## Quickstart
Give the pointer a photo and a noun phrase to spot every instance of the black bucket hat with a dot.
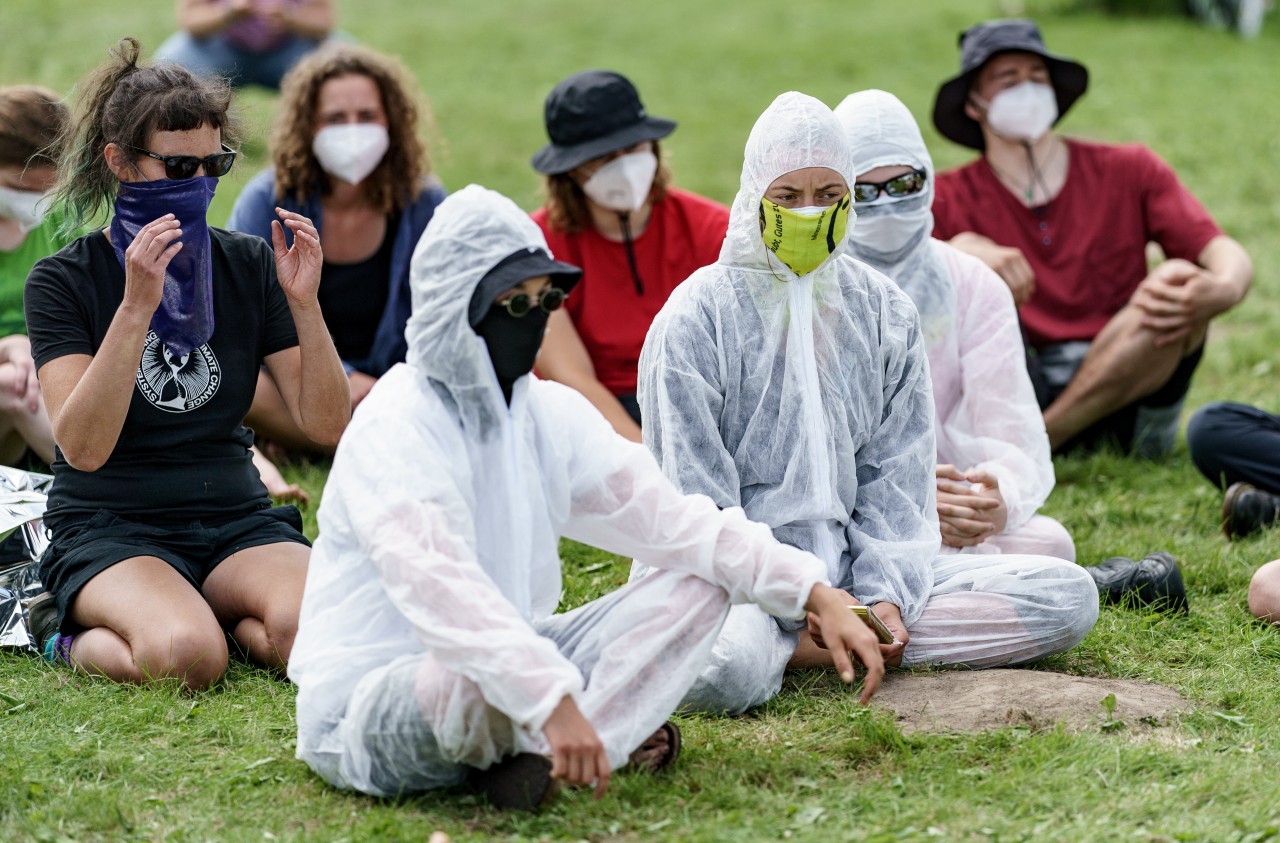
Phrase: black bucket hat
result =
(520, 265)
(591, 114)
(979, 43)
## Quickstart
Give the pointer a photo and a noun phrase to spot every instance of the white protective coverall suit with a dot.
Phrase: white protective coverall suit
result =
(986, 410)
(426, 640)
(806, 401)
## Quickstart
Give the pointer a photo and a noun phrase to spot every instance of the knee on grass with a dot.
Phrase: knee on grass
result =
(1264, 592)
(193, 653)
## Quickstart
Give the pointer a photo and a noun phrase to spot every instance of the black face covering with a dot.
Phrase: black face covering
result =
(513, 343)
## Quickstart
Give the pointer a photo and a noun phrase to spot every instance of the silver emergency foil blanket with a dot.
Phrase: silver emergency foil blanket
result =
(22, 502)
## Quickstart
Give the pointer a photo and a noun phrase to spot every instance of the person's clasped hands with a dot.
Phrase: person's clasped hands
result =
(971, 508)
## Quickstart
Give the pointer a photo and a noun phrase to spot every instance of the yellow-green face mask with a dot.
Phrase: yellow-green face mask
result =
(803, 240)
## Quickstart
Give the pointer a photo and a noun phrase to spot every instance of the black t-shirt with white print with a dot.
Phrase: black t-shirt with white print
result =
(183, 453)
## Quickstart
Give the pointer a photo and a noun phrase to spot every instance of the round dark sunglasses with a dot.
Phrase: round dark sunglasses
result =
(520, 304)
(897, 187)
(185, 166)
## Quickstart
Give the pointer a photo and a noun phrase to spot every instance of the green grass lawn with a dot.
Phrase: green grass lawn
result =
(86, 760)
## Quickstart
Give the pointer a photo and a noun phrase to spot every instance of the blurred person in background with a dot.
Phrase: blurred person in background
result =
(1112, 345)
(611, 209)
(31, 118)
(247, 41)
(346, 153)
(1237, 447)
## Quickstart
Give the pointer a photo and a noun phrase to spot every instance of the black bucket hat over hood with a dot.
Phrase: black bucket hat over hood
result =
(979, 43)
(591, 114)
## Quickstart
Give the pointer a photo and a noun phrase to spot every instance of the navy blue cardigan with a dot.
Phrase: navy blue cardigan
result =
(255, 209)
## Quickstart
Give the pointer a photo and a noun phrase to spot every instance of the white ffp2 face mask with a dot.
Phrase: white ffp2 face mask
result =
(624, 183)
(351, 152)
(25, 207)
(886, 232)
(1024, 112)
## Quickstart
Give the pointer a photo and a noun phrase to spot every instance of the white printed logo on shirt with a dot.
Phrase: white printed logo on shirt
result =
(177, 384)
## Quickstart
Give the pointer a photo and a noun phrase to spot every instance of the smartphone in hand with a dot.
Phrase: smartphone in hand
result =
(872, 620)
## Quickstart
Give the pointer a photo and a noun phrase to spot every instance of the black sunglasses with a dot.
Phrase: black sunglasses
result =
(185, 166)
(520, 304)
(897, 187)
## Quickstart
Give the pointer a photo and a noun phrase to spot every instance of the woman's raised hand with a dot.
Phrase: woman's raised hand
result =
(298, 268)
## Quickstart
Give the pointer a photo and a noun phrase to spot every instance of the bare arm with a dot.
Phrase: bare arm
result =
(88, 396)
(309, 375)
(1229, 264)
(1178, 298)
(202, 18)
(16, 351)
(564, 358)
(310, 19)
(1008, 262)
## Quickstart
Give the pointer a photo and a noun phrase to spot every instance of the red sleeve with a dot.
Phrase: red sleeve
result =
(1174, 217)
(949, 218)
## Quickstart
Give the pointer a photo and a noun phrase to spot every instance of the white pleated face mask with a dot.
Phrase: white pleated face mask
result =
(887, 230)
(351, 152)
(1024, 112)
(25, 207)
(624, 183)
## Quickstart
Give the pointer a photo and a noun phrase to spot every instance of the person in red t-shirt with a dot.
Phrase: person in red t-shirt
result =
(1111, 344)
(611, 210)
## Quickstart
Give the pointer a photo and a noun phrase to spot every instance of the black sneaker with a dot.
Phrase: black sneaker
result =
(520, 783)
(1247, 509)
(42, 620)
(1154, 581)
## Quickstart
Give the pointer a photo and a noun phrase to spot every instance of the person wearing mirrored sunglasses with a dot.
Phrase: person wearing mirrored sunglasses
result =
(791, 379)
(1112, 344)
(346, 153)
(31, 118)
(994, 470)
(611, 209)
(148, 336)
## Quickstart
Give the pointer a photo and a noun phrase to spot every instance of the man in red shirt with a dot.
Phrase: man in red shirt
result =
(611, 211)
(1111, 343)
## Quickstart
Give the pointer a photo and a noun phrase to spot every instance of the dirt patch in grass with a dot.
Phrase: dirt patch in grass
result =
(979, 700)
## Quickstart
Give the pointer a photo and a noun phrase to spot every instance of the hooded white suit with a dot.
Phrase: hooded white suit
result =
(427, 642)
(806, 401)
(986, 410)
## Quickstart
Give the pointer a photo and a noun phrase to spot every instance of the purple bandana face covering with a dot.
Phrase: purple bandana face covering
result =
(184, 320)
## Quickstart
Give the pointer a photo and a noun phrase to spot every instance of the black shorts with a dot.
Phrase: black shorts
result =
(79, 552)
(1122, 428)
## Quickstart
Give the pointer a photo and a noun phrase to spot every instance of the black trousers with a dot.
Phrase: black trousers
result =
(1232, 443)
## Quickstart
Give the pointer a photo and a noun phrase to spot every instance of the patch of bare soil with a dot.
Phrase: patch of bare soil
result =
(979, 700)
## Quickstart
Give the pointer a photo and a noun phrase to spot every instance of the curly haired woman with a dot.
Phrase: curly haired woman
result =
(347, 155)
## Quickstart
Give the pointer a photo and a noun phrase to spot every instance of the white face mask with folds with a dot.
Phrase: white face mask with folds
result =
(25, 207)
(1024, 112)
(352, 151)
(887, 227)
(624, 183)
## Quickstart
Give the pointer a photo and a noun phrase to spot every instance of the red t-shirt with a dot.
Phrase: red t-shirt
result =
(684, 233)
(1088, 246)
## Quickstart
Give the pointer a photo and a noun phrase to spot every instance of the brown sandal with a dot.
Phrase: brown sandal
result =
(664, 761)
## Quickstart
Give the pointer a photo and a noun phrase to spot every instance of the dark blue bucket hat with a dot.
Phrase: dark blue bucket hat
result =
(591, 114)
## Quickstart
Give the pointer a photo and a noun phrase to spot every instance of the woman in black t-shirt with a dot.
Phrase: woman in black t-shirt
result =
(148, 337)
